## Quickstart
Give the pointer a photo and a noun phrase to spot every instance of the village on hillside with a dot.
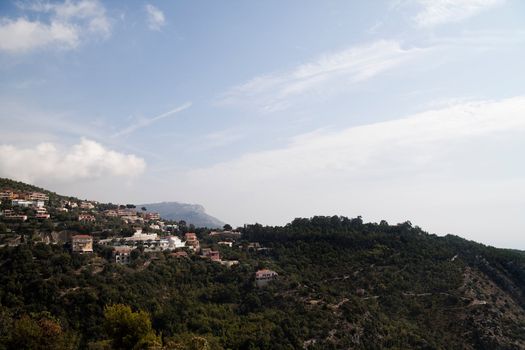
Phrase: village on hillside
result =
(119, 233)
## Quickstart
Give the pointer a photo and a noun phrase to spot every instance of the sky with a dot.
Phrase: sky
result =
(263, 111)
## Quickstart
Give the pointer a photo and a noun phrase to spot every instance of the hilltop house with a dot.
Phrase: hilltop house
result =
(11, 215)
(86, 218)
(192, 241)
(129, 215)
(171, 227)
(126, 212)
(71, 204)
(38, 203)
(111, 213)
(41, 213)
(7, 195)
(264, 276)
(37, 196)
(87, 205)
(154, 227)
(152, 216)
(122, 254)
(82, 244)
(139, 236)
(175, 242)
(21, 203)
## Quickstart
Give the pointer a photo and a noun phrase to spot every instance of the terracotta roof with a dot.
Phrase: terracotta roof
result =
(81, 236)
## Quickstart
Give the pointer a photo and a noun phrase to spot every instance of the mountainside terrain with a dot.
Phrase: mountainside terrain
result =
(191, 213)
(341, 284)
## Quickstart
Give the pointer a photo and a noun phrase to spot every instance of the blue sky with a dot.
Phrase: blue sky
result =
(265, 111)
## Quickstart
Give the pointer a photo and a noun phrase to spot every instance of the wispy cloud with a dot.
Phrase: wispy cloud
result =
(408, 168)
(328, 74)
(86, 160)
(69, 24)
(17, 113)
(435, 12)
(354, 148)
(142, 123)
(156, 18)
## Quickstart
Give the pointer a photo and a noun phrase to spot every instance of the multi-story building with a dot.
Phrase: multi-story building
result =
(38, 203)
(41, 213)
(7, 195)
(21, 203)
(152, 216)
(192, 241)
(264, 276)
(126, 212)
(122, 254)
(11, 215)
(37, 196)
(213, 255)
(175, 242)
(139, 236)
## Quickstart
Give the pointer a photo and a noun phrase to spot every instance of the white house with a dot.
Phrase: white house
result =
(139, 236)
(38, 203)
(21, 203)
(175, 242)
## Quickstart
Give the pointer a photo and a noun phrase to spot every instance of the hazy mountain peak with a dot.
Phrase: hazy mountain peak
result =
(191, 213)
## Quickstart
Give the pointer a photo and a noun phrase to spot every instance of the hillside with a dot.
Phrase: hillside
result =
(191, 213)
(341, 284)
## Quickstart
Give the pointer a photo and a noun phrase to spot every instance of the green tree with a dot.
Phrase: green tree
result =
(41, 332)
(128, 329)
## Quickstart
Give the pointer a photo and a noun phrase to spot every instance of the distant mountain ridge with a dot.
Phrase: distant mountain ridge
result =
(191, 213)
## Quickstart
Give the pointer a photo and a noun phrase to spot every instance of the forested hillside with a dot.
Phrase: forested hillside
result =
(341, 284)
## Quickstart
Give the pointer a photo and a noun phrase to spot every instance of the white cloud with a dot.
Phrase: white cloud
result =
(328, 74)
(156, 18)
(90, 11)
(69, 24)
(435, 12)
(459, 161)
(142, 123)
(351, 150)
(48, 163)
(22, 35)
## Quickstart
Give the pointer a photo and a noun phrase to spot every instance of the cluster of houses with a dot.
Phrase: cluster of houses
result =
(151, 242)
(131, 215)
(26, 196)
(122, 247)
(33, 200)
